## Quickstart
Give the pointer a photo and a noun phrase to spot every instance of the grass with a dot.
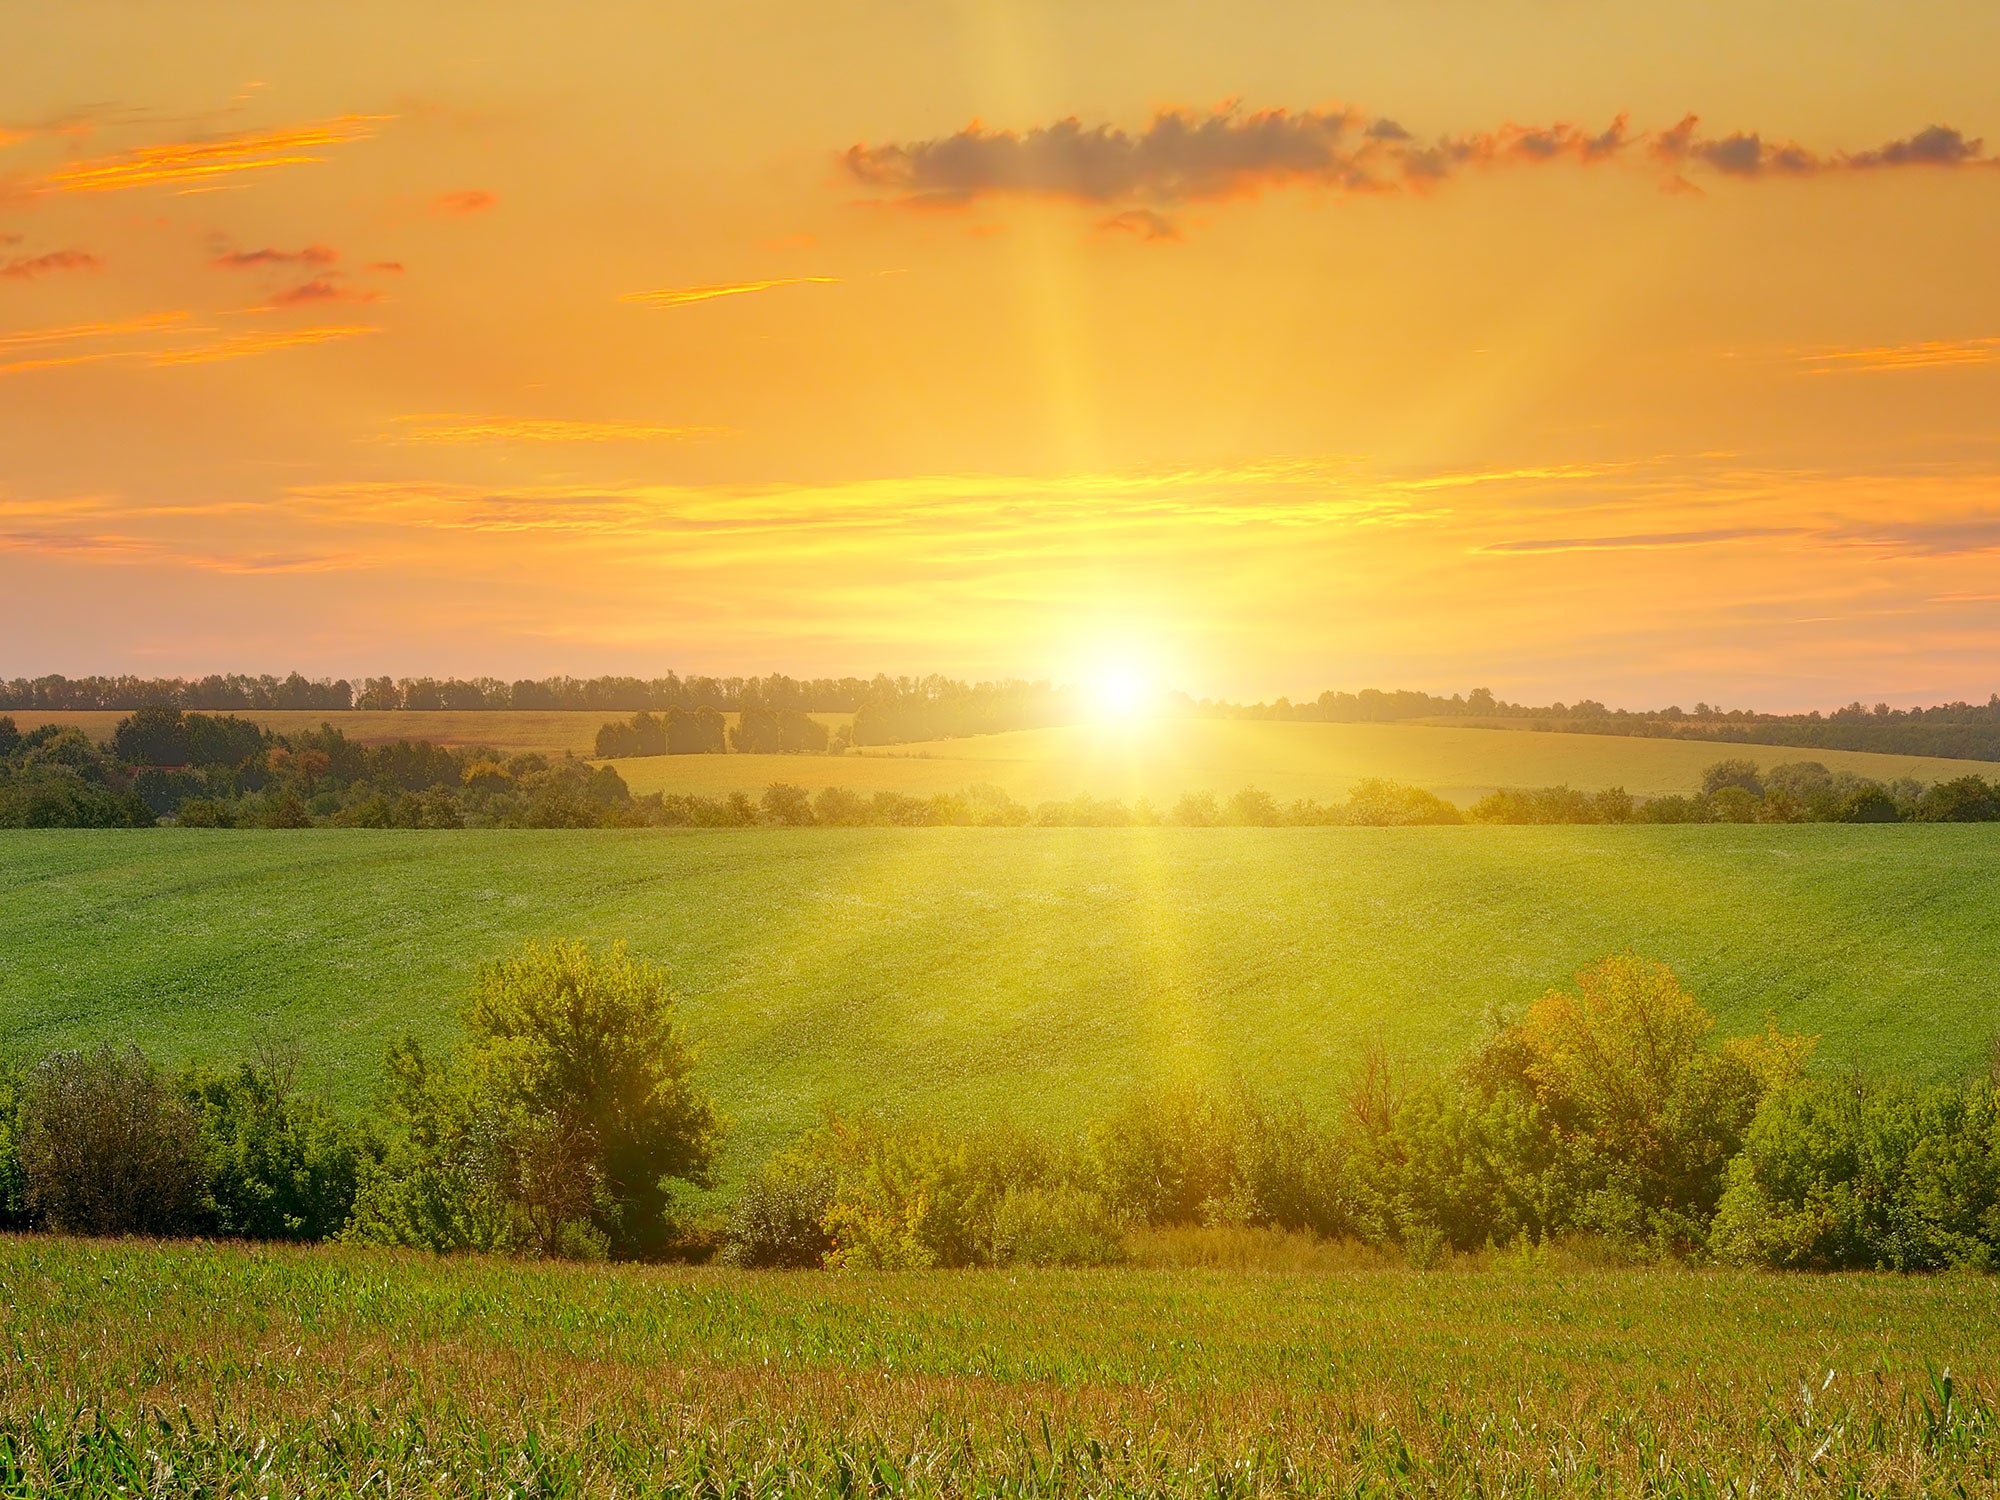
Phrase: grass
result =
(1160, 761)
(1037, 972)
(222, 1370)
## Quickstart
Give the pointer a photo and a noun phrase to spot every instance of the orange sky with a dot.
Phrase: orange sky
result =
(1276, 346)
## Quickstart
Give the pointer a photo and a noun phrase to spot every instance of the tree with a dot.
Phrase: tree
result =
(107, 1146)
(563, 1123)
(152, 736)
(1740, 773)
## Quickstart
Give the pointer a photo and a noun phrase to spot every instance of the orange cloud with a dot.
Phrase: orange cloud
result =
(326, 288)
(26, 268)
(242, 345)
(1181, 156)
(34, 338)
(453, 428)
(1936, 354)
(249, 260)
(681, 296)
(465, 201)
(195, 162)
(1143, 222)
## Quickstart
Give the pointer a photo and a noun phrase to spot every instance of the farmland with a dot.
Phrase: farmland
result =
(1163, 759)
(1031, 971)
(1159, 760)
(223, 1370)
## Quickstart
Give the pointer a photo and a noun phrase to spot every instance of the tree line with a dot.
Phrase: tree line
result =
(567, 1122)
(906, 709)
(219, 771)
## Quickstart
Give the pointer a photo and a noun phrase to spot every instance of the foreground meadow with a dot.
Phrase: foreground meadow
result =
(134, 1367)
(974, 972)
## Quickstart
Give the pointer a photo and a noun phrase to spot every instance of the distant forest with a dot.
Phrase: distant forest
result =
(895, 710)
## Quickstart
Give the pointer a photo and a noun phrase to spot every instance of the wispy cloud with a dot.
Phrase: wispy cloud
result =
(1183, 156)
(1145, 223)
(194, 163)
(1643, 541)
(1935, 354)
(681, 296)
(41, 337)
(323, 288)
(26, 268)
(243, 345)
(252, 260)
(461, 428)
(464, 201)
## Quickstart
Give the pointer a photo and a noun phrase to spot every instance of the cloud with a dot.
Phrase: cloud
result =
(458, 428)
(680, 296)
(242, 345)
(1936, 354)
(465, 201)
(181, 163)
(26, 268)
(327, 288)
(250, 260)
(38, 338)
(1643, 541)
(235, 346)
(1960, 536)
(1745, 154)
(1182, 156)
(1146, 223)
(388, 267)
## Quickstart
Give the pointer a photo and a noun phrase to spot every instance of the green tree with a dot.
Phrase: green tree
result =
(563, 1123)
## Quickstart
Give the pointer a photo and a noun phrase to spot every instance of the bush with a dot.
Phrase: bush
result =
(1848, 1174)
(1054, 1226)
(1389, 804)
(13, 1199)
(278, 1165)
(107, 1146)
(780, 1218)
(561, 1127)
(1741, 774)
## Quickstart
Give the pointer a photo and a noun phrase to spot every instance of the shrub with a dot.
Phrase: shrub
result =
(1168, 1156)
(560, 1127)
(1054, 1226)
(1870, 803)
(1196, 810)
(1845, 1173)
(107, 1146)
(780, 1218)
(13, 1190)
(278, 1165)
(1389, 804)
(1741, 774)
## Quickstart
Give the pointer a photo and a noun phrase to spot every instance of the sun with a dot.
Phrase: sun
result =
(1122, 692)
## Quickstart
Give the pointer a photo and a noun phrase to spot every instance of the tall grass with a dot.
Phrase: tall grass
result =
(132, 1367)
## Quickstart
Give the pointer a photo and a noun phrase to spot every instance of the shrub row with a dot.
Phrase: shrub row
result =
(567, 1124)
(1610, 1111)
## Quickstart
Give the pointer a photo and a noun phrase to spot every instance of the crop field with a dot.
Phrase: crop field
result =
(1163, 759)
(1035, 971)
(550, 732)
(221, 1370)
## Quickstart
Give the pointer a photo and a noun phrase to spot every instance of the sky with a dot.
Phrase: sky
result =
(1564, 347)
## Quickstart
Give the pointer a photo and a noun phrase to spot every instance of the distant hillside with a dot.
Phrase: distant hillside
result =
(900, 710)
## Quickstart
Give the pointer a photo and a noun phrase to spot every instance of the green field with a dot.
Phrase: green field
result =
(1036, 971)
(211, 1369)
(1163, 759)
